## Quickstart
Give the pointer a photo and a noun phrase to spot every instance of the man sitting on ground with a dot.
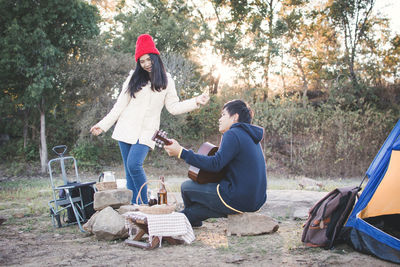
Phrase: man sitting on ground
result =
(240, 156)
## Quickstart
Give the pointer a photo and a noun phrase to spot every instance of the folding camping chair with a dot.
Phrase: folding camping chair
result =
(71, 197)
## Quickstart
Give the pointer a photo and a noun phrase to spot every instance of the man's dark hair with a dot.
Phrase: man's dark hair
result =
(141, 77)
(241, 108)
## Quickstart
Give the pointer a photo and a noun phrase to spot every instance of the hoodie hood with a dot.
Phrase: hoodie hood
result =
(256, 133)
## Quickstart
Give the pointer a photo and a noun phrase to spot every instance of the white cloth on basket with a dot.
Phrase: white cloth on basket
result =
(174, 224)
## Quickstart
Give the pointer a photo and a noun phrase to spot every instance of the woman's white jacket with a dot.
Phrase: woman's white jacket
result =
(138, 118)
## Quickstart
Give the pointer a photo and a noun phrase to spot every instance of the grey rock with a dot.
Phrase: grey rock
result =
(112, 198)
(290, 204)
(89, 224)
(301, 213)
(251, 224)
(109, 225)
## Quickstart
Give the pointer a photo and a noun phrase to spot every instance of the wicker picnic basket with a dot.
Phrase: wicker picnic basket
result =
(155, 209)
(102, 186)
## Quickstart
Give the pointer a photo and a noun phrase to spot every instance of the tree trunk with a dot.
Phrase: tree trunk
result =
(266, 80)
(269, 51)
(43, 143)
(25, 132)
(214, 83)
(353, 75)
(283, 80)
(304, 79)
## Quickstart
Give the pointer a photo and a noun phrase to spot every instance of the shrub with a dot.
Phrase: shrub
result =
(193, 126)
(94, 153)
(324, 141)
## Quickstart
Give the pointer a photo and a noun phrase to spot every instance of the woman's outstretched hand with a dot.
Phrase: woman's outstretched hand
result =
(96, 130)
(202, 99)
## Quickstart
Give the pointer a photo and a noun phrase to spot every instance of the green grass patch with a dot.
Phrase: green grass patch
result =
(27, 197)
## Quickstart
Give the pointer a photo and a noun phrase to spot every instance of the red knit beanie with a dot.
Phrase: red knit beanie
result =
(145, 45)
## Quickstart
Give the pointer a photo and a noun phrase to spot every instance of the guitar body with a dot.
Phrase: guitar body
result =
(197, 175)
(202, 176)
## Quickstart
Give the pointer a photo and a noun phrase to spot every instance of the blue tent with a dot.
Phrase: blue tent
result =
(373, 226)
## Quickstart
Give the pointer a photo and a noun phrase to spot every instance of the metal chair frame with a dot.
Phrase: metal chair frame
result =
(59, 205)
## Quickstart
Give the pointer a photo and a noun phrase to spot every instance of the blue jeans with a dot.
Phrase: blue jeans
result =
(202, 202)
(133, 157)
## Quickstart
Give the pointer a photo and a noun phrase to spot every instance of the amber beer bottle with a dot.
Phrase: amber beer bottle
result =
(162, 193)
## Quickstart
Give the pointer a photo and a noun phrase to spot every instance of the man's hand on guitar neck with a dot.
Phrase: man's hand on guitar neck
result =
(175, 149)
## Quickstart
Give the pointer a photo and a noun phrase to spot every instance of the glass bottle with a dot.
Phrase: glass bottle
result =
(150, 196)
(162, 193)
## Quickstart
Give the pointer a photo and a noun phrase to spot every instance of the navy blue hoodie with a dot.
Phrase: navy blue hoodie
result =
(240, 154)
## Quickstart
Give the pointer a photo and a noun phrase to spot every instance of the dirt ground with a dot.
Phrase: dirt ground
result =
(29, 239)
(32, 241)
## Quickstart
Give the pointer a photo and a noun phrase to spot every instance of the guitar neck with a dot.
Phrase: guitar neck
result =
(158, 137)
(166, 141)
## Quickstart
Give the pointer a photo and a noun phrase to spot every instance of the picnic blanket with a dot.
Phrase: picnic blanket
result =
(174, 224)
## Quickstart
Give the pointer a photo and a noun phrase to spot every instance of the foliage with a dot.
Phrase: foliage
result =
(392, 59)
(51, 66)
(354, 19)
(86, 151)
(36, 37)
(348, 96)
(194, 126)
(95, 155)
(313, 47)
(171, 24)
(247, 35)
(323, 141)
(185, 73)
(91, 83)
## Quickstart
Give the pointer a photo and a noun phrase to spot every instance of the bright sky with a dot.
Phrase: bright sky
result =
(390, 8)
(387, 8)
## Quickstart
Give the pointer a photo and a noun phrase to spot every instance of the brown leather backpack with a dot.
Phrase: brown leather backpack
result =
(327, 217)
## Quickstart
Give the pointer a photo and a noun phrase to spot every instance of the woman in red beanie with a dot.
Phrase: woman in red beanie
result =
(138, 109)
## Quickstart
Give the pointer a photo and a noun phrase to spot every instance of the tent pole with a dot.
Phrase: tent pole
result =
(362, 181)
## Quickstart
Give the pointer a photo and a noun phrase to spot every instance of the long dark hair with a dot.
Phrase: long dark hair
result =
(158, 77)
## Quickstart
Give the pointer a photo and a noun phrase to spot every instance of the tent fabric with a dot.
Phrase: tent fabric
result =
(380, 161)
(363, 235)
(386, 199)
(367, 244)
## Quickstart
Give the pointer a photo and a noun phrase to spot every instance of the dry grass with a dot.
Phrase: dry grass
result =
(28, 237)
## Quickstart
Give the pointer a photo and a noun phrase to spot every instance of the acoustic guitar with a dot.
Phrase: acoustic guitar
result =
(196, 174)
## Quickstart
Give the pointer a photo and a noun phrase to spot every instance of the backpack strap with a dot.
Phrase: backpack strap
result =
(349, 206)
